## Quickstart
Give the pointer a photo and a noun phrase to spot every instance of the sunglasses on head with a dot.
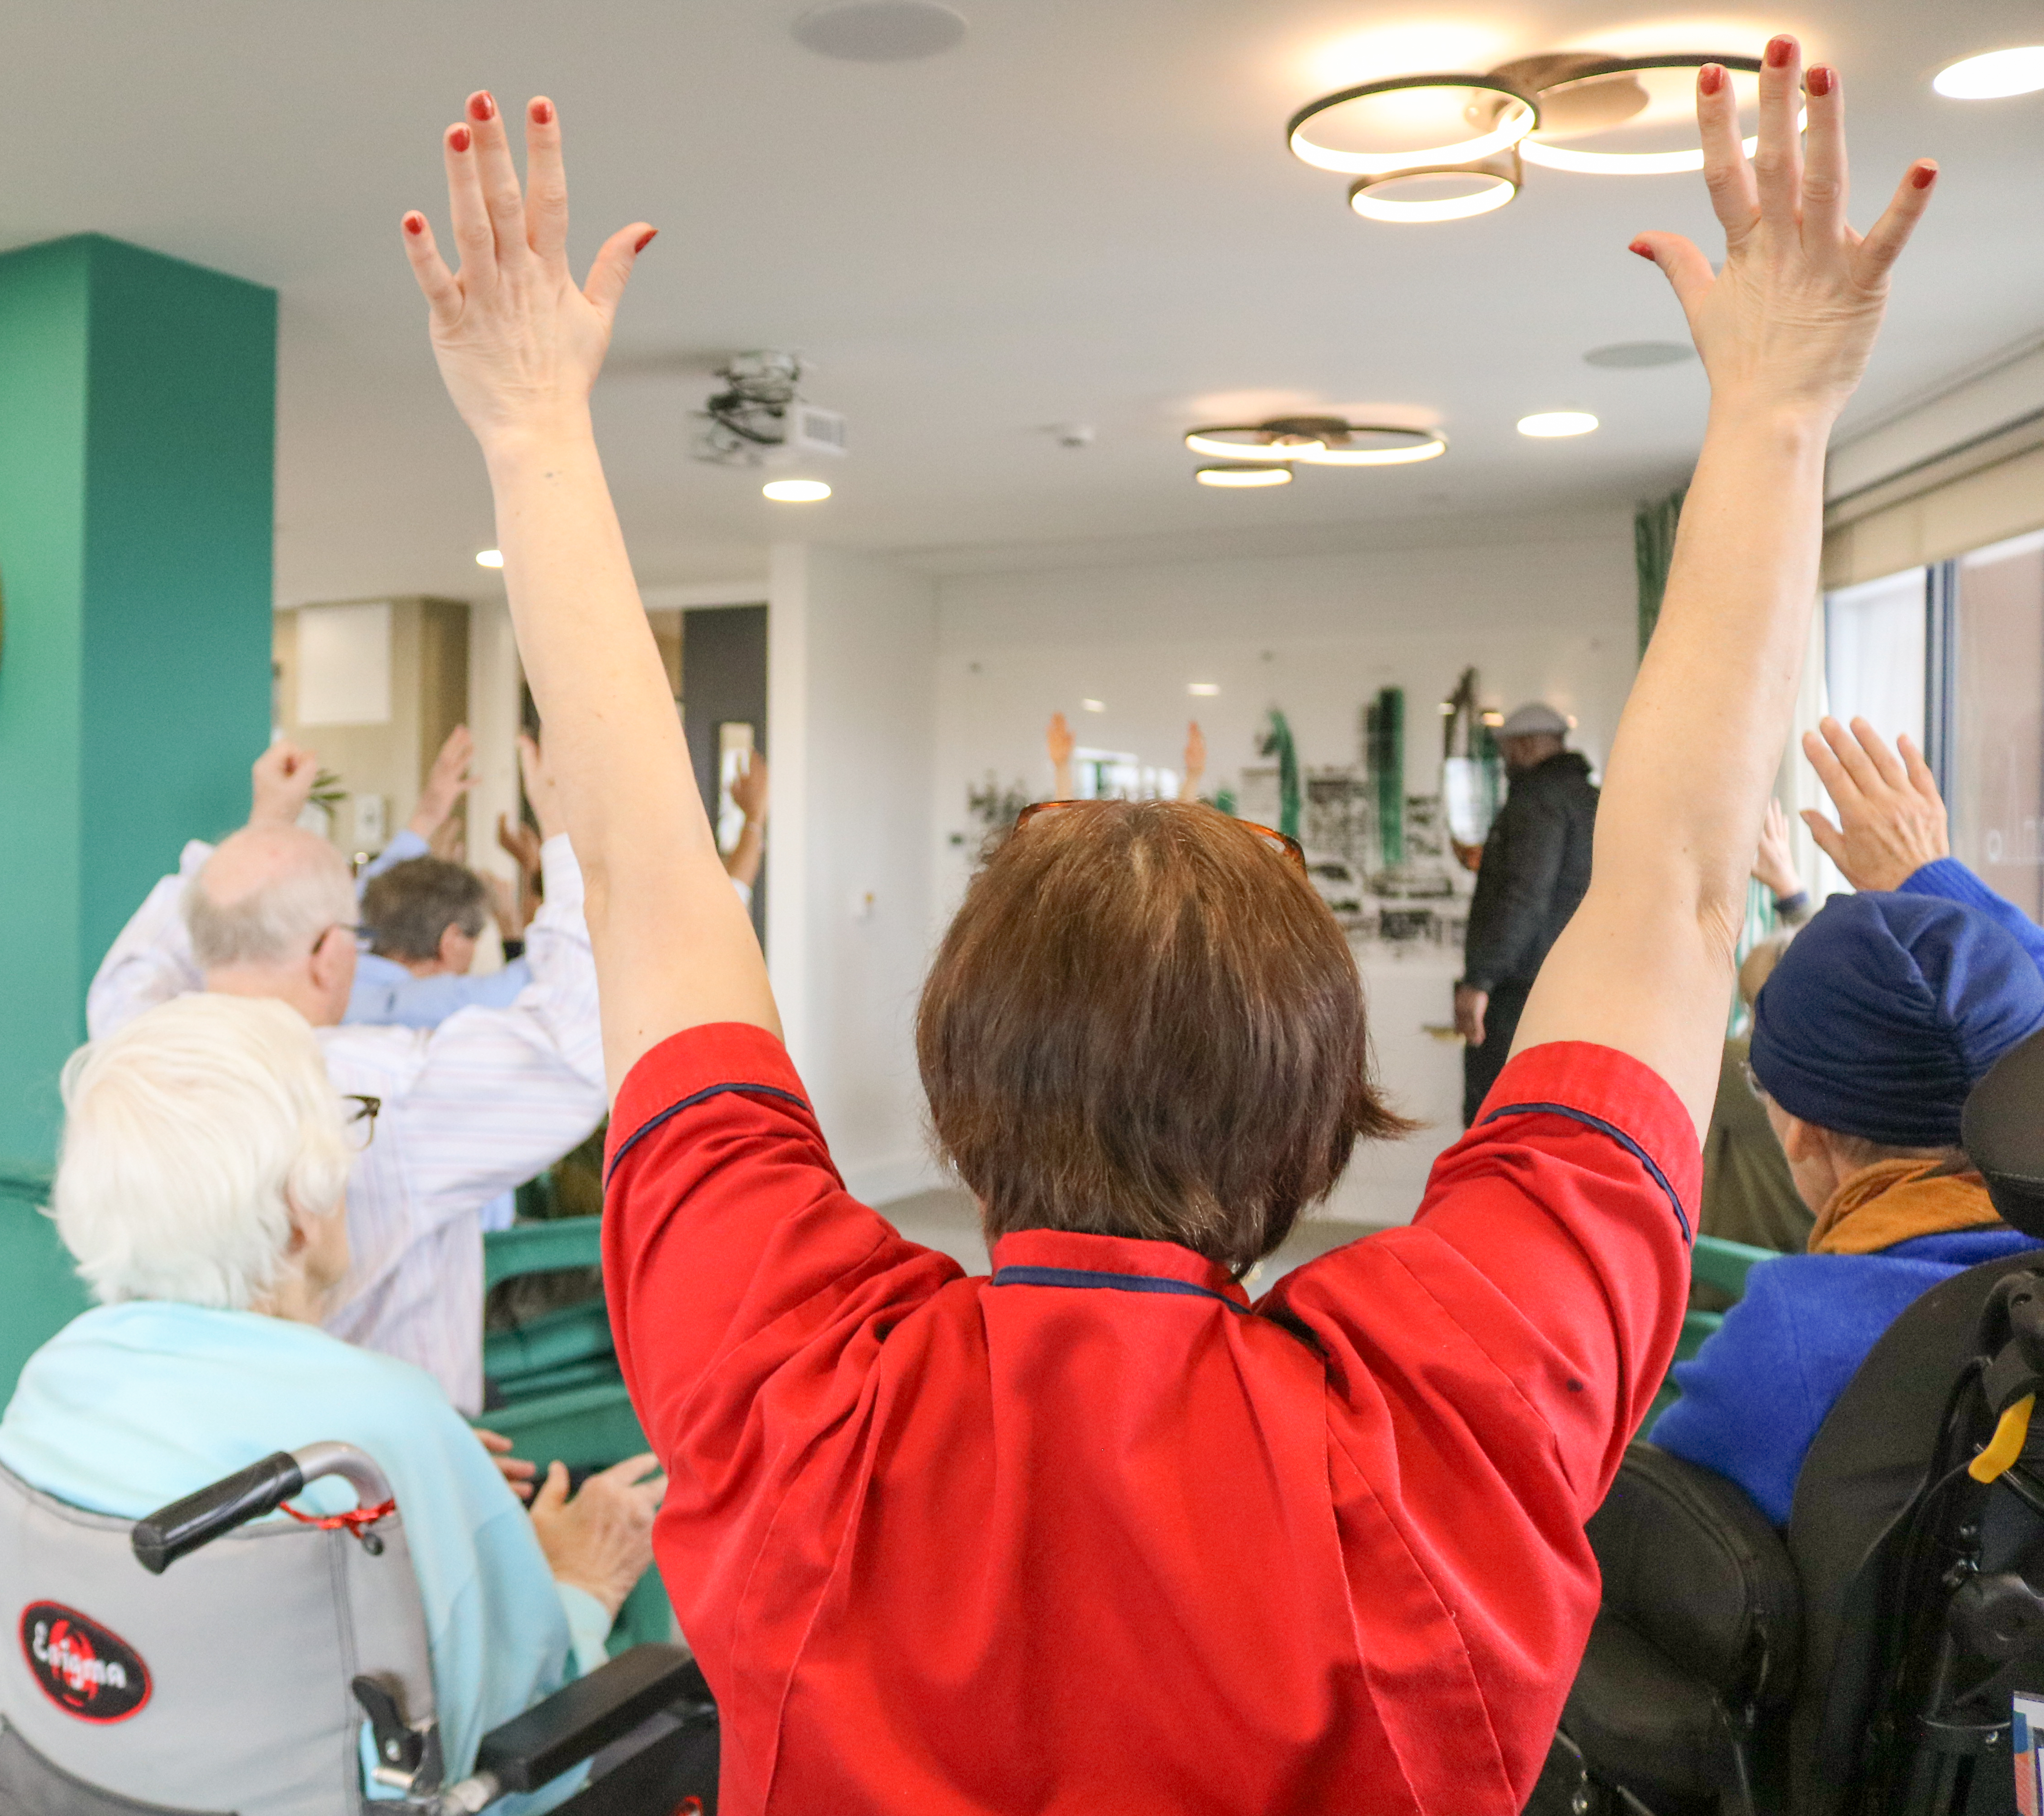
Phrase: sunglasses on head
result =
(1286, 847)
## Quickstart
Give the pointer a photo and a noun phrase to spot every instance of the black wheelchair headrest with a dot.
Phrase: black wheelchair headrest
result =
(2004, 1134)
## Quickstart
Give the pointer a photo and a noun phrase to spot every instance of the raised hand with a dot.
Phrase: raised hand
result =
(519, 342)
(748, 787)
(1774, 864)
(446, 783)
(1891, 817)
(280, 783)
(1059, 741)
(1791, 317)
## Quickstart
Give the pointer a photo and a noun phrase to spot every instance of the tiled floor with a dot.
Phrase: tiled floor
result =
(948, 1219)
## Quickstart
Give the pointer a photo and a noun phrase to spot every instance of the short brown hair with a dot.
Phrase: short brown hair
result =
(410, 907)
(1145, 1022)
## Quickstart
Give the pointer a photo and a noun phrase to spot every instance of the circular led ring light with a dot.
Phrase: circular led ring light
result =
(1266, 474)
(1520, 115)
(1260, 441)
(1334, 434)
(1502, 174)
(1636, 163)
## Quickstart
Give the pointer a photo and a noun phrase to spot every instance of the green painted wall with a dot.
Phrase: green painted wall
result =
(138, 429)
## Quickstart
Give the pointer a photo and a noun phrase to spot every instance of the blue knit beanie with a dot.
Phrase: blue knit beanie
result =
(1885, 1011)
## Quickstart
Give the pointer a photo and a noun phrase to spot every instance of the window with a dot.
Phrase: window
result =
(1874, 654)
(1992, 769)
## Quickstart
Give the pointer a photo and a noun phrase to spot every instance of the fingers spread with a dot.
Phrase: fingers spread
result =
(1824, 158)
(1837, 784)
(1883, 759)
(1777, 165)
(546, 183)
(1883, 246)
(609, 275)
(1921, 777)
(1829, 840)
(436, 282)
(499, 176)
(553, 1491)
(1727, 173)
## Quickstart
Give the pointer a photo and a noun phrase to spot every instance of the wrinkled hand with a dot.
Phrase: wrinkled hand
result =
(1891, 817)
(446, 782)
(519, 343)
(1774, 864)
(1470, 1007)
(748, 788)
(541, 792)
(1790, 319)
(281, 782)
(602, 1540)
(1058, 740)
(515, 1470)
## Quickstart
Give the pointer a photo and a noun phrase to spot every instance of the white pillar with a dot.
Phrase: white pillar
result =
(495, 687)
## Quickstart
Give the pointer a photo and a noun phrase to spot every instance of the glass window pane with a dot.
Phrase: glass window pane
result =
(1874, 642)
(1997, 789)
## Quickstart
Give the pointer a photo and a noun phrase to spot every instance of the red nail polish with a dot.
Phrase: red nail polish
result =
(1779, 51)
(415, 224)
(1926, 175)
(543, 113)
(482, 104)
(646, 239)
(1710, 77)
(1819, 80)
(1641, 247)
(458, 138)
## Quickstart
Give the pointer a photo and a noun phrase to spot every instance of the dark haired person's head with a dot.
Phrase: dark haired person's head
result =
(425, 911)
(1876, 1024)
(1144, 1021)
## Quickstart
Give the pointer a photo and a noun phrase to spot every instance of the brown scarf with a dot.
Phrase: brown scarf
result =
(1893, 1200)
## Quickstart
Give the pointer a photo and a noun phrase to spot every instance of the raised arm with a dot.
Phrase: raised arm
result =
(1784, 330)
(519, 344)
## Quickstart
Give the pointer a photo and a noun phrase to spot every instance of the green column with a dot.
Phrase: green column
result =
(137, 428)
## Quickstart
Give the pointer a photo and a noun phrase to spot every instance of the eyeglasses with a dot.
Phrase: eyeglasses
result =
(1286, 847)
(360, 1124)
(354, 929)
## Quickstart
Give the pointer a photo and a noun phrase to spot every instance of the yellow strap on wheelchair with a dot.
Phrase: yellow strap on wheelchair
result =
(2006, 1445)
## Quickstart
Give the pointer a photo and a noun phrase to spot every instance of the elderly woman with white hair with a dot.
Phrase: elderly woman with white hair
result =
(201, 1190)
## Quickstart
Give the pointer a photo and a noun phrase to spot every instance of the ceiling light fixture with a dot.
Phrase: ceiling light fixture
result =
(1585, 90)
(1632, 355)
(1550, 425)
(1094, 705)
(1229, 478)
(1993, 75)
(1414, 105)
(1438, 192)
(1319, 441)
(1203, 687)
(795, 491)
(489, 557)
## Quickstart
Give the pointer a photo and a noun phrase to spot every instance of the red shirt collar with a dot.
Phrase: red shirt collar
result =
(1115, 1254)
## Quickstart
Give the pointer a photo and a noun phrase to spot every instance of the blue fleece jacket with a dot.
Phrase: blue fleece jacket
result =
(1755, 1394)
(1950, 880)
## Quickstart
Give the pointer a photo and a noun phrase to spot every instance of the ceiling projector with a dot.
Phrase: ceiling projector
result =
(761, 419)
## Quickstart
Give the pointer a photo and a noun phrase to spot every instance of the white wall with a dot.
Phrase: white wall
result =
(852, 695)
(1544, 609)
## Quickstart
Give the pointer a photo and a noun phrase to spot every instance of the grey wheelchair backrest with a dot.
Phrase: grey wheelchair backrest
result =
(221, 1685)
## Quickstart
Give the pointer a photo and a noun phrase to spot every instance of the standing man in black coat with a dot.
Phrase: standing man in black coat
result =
(1535, 866)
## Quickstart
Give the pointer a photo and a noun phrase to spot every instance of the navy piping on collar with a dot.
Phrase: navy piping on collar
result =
(652, 1122)
(1616, 1133)
(1014, 1275)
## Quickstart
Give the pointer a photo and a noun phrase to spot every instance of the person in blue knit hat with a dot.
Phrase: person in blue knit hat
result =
(1880, 1018)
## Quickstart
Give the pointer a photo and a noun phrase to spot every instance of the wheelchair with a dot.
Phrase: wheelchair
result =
(241, 1680)
(1884, 1656)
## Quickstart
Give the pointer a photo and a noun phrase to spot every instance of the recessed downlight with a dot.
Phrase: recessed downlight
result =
(1093, 705)
(1550, 425)
(1241, 478)
(1632, 355)
(1993, 75)
(1203, 688)
(879, 31)
(795, 491)
(489, 557)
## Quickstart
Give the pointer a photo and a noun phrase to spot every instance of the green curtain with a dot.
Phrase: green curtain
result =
(1653, 550)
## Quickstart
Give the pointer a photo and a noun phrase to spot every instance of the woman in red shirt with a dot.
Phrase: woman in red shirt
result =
(1097, 1533)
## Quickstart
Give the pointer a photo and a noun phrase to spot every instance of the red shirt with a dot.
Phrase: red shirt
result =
(1097, 1535)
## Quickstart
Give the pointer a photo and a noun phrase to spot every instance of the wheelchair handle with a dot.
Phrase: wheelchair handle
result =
(177, 1531)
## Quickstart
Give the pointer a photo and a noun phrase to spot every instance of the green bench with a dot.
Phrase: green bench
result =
(1724, 1265)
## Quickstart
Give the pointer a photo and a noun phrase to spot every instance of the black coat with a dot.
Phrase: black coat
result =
(1536, 865)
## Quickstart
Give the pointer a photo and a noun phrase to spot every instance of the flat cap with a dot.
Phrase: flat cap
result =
(1535, 719)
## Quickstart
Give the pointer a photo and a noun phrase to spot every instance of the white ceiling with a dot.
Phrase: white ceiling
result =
(1086, 212)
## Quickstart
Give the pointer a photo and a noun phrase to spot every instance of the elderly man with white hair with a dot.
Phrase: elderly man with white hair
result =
(469, 1109)
(200, 1188)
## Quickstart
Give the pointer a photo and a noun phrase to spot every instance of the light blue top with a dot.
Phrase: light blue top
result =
(130, 1407)
(386, 995)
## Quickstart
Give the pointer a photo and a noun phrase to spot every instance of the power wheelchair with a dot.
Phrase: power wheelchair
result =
(1884, 1655)
(241, 1680)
